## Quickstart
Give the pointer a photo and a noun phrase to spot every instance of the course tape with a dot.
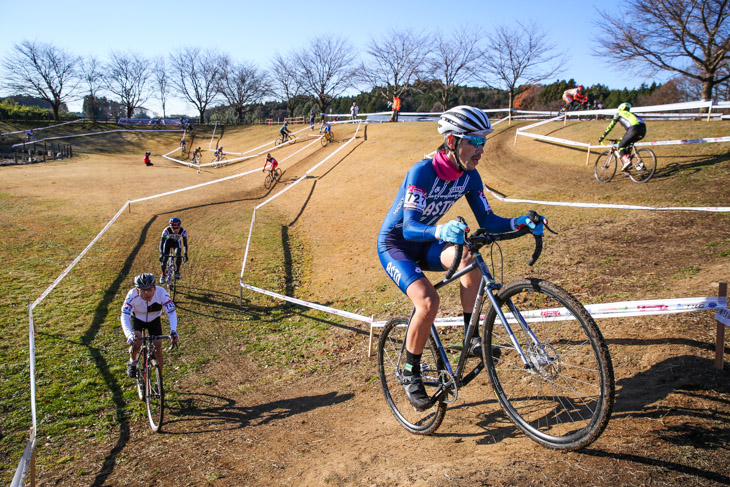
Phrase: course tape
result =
(717, 209)
(22, 471)
(619, 309)
(92, 133)
(41, 128)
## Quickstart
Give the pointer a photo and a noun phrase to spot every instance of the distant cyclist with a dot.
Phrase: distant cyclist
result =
(635, 131)
(411, 241)
(326, 127)
(284, 130)
(272, 161)
(141, 311)
(182, 145)
(173, 237)
(218, 153)
(196, 154)
(573, 94)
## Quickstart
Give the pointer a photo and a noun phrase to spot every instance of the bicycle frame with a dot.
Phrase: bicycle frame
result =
(487, 287)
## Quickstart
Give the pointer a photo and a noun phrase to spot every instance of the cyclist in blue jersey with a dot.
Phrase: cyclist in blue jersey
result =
(325, 126)
(635, 131)
(411, 240)
(173, 237)
(284, 131)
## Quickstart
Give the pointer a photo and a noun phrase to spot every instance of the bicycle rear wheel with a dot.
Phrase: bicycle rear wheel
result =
(389, 369)
(155, 396)
(277, 174)
(565, 398)
(279, 141)
(643, 166)
(605, 167)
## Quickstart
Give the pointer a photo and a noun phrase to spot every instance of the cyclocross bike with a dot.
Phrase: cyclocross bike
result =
(170, 273)
(546, 359)
(643, 164)
(149, 380)
(286, 138)
(272, 177)
(327, 138)
(220, 160)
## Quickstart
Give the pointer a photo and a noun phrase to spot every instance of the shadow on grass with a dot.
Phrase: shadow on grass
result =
(211, 413)
(672, 169)
(112, 382)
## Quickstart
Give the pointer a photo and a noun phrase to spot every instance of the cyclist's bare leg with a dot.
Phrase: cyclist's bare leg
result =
(134, 348)
(468, 283)
(426, 302)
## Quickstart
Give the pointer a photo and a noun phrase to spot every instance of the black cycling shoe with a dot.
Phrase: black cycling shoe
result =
(416, 392)
(475, 349)
(131, 370)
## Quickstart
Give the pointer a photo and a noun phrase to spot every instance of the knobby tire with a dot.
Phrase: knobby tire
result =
(564, 401)
(605, 166)
(390, 369)
(155, 396)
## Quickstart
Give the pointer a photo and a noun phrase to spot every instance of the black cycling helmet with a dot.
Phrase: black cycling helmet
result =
(144, 280)
(175, 221)
(268, 156)
(147, 153)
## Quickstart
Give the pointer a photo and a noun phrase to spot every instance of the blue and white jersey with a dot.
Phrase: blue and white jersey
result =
(423, 198)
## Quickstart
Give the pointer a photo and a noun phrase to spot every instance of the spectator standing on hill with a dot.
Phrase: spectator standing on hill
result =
(147, 161)
(182, 145)
(311, 120)
(410, 241)
(354, 109)
(141, 310)
(635, 131)
(396, 108)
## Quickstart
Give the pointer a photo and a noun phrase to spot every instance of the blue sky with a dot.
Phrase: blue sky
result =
(256, 31)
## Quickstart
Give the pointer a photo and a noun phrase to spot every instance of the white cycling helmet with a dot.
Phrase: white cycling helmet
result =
(464, 120)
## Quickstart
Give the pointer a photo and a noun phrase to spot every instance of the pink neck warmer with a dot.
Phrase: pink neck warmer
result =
(444, 168)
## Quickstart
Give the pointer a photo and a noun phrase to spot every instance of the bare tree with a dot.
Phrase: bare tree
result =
(242, 85)
(326, 68)
(670, 35)
(41, 70)
(518, 57)
(395, 62)
(450, 62)
(93, 76)
(126, 77)
(161, 83)
(287, 82)
(195, 76)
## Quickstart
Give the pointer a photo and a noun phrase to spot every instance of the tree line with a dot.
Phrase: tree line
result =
(429, 71)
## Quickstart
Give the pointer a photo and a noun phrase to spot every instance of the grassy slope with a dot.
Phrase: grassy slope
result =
(304, 243)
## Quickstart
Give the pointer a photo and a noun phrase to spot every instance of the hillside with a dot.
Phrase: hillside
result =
(270, 393)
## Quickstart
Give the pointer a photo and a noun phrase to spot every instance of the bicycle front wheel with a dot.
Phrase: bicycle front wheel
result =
(605, 167)
(324, 140)
(390, 368)
(268, 181)
(643, 166)
(563, 398)
(155, 396)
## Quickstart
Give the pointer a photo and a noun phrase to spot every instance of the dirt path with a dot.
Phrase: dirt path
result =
(240, 424)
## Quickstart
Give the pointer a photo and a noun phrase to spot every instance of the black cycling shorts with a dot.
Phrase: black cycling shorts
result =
(154, 327)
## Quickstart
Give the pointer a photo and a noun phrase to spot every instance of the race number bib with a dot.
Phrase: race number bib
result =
(415, 199)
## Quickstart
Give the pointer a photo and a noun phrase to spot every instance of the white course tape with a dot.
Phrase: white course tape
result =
(77, 259)
(22, 471)
(307, 304)
(42, 128)
(717, 209)
(92, 133)
(619, 309)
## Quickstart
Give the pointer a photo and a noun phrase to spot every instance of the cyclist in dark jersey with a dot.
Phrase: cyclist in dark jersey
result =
(410, 240)
(284, 131)
(170, 240)
(635, 131)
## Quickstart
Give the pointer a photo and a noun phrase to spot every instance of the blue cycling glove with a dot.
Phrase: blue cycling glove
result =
(524, 220)
(453, 232)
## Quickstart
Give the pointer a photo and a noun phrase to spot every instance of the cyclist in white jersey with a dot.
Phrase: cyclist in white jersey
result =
(141, 310)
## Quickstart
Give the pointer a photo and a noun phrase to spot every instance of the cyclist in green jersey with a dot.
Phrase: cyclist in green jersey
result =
(284, 131)
(635, 131)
